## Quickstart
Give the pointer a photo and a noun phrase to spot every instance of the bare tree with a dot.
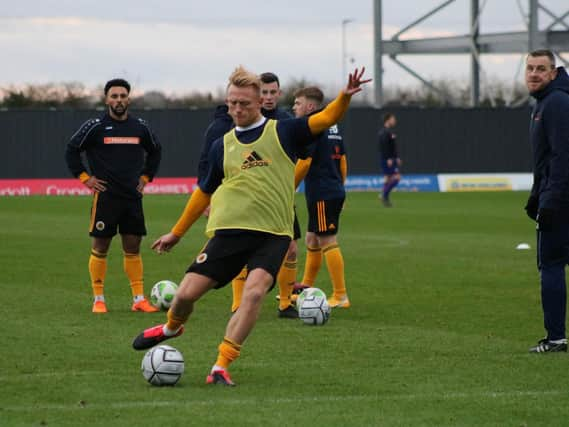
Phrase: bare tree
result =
(443, 92)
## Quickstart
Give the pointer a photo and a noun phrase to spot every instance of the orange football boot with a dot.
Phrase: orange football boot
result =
(99, 307)
(144, 306)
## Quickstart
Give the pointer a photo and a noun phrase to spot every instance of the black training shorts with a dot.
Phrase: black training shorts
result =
(110, 212)
(324, 216)
(225, 255)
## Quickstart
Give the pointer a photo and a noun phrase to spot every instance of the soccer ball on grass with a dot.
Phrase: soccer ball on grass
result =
(162, 365)
(313, 308)
(162, 294)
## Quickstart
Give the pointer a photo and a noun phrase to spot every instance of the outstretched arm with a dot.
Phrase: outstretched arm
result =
(335, 110)
(194, 208)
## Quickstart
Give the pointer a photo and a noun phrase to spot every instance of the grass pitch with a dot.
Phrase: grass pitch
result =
(443, 311)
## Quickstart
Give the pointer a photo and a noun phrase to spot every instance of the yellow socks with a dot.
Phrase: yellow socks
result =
(132, 264)
(286, 280)
(97, 271)
(335, 264)
(237, 286)
(228, 351)
(174, 322)
(312, 265)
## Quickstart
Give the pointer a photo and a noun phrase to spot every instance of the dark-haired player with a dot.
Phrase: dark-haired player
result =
(123, 156)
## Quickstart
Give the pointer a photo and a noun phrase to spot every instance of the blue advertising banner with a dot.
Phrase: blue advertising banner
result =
(408, 183)
(375, 183)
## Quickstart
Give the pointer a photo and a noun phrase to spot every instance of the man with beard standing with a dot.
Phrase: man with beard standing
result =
(123, 156)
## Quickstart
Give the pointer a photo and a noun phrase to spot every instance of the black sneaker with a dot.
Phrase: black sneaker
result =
(288, 313)
(546, 346)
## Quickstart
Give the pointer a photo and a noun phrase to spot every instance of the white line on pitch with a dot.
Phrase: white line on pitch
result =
(294, 400)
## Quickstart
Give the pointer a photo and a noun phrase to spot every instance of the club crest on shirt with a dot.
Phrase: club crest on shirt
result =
(336, 155)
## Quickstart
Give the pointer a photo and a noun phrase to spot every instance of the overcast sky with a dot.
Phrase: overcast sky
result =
(179, 46)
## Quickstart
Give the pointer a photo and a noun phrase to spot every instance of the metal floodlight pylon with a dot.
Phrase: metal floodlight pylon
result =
(473, 43)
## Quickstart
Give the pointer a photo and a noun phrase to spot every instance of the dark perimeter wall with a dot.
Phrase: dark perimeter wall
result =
(429, 140)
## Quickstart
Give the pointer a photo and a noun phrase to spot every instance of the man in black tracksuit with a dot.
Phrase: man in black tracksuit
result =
(548, 203)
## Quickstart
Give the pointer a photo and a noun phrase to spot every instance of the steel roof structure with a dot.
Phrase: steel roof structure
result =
(473, 43)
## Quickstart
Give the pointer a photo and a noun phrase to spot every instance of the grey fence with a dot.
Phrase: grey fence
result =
(430, 140)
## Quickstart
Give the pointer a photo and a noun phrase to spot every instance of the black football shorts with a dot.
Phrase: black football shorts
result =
(225, 255)
(109, 213)
(324, 216)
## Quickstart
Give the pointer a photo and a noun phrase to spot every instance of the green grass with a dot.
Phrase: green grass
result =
(443, 311)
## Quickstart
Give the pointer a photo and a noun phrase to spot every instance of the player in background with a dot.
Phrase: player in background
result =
(250, 184)
(326, 170)
(548, 203)
(123, 156)
(270, 96)
(389, 158)
(219, 126)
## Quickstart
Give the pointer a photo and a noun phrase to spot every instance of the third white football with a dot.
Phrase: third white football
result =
(162, 365)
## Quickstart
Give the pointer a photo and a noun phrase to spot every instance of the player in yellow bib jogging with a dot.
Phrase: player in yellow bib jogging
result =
(250, 185)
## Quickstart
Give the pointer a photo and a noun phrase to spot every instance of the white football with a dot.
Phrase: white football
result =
(162, 294)
(162, 365)
(313, 308)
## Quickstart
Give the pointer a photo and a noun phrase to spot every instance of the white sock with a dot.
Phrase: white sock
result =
(169, 332)
(561, 341)
(99, 298)
(217, 368)
(138, 298)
